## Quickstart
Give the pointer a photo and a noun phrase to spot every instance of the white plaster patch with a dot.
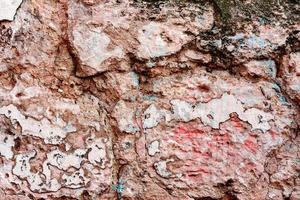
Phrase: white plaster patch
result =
(125, 116)
(212, 113)
(153, 38)
(75, 180)
(97, 154)
(182, 110)
(6, 144)
(153, 148)
(67, 104)
(63, 161)
(152, 117)
(217, 110)
(36, 183)
(43, 181)
(51, 133)
(26, 91)
(8, 9)
(161, 168)
(257, 118)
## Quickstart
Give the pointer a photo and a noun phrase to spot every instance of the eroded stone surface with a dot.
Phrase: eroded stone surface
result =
(138, 99)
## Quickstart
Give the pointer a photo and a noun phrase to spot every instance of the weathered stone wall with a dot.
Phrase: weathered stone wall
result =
(136, 99)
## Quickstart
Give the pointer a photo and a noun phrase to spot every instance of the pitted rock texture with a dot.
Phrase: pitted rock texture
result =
(140, 99)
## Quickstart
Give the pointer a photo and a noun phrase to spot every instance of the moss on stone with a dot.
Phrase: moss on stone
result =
(224, 7)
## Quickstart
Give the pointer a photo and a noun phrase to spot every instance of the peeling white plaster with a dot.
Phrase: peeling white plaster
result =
(152, 117)
(125, 116)
(97, 154)
(44, 181)
(26, 91)
(66, 104)
(217, 111)
(161, 168)
(51, 133)
(64, 161)
(182, 110)
(6, 144)
(75, 180)
(8, 9)
(212, 113)
(153, 148)
(23, 170)
(257, 118)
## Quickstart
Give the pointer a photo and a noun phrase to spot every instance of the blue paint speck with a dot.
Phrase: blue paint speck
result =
(270, 68)
(119, 188)
(135, 79)
(256, 42)
(281, 98)
(238, 36)
(149, 98)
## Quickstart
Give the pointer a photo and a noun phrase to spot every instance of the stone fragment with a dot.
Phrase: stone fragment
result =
(262, 68)
(158, 40)
(92, 50)
(197, 56)
(291, 74)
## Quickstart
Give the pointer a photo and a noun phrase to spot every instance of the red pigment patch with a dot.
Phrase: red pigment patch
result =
(273, 134)
(237, 123)
(210, 153)
(188, 131)
(250, 144)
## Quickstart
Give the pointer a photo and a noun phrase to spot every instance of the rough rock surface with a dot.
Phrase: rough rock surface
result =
(136, 99)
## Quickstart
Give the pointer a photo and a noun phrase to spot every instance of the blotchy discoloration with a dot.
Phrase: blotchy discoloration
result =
(138, 99)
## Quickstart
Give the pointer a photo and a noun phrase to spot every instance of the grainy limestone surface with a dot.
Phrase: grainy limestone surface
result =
(149, 100)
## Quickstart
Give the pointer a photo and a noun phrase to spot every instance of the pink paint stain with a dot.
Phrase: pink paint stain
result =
(211, 153)
(251, 144)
